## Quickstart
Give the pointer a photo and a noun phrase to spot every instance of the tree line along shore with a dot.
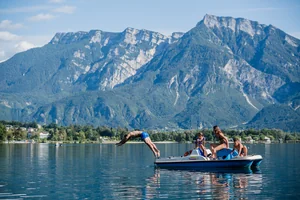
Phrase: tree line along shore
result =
(18, 131)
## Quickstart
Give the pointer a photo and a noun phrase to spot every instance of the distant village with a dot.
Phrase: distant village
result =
(30, 132)
(17, 132)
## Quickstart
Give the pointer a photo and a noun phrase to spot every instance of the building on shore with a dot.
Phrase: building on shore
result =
(249, 139)
(44, 135)
(267, 140)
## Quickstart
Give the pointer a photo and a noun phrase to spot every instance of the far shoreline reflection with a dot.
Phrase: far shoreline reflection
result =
(197, 183)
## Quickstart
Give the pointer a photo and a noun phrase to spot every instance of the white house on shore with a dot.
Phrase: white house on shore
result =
(44, 135)
(267, 140)
(249, 140)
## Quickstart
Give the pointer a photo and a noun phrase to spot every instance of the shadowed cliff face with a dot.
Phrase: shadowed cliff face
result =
(223, 71)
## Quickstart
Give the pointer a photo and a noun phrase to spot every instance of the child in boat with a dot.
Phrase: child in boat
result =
(200, 143)
(144, 137)
(239, 147)
(223, 142)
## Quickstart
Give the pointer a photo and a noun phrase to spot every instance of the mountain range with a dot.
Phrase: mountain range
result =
(233, 72)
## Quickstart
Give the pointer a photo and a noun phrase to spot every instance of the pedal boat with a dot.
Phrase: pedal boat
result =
(225, 159)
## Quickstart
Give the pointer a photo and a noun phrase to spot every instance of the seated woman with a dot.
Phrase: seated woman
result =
(200, 144)
(239, 147)
(223, 142)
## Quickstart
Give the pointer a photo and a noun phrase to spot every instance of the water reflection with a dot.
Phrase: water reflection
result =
(241, 182)
(220, 184)
(152, 187)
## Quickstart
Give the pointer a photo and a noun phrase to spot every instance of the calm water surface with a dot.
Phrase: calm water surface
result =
(104, 171)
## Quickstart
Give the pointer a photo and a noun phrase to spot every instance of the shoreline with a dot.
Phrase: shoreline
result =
(130, 142)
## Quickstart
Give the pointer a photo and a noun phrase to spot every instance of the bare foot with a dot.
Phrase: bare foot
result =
(158, 154)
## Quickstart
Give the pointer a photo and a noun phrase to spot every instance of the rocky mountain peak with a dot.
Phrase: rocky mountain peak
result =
(67, 38)
(235, 24)
(177, 35)
(132, 31)
(133, 36)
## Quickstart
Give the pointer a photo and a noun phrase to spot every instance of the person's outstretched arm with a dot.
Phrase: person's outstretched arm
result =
(124, 140)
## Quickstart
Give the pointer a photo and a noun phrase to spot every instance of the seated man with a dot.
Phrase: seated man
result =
(145, 137)
(223, 142)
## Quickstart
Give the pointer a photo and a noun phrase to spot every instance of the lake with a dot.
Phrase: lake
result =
(104, 171)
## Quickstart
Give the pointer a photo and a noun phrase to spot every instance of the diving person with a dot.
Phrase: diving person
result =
(144, 137)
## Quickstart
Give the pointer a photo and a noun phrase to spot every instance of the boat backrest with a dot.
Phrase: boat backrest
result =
(225, 154)
(195, 155)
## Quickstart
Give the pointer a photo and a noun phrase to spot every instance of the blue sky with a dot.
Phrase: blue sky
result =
(26, 24)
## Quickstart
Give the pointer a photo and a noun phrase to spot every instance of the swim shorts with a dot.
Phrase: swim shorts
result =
(144, 135)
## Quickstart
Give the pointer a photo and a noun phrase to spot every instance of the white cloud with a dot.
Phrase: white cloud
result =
(7, 24)
(22, 43)
(65, 9)
(25, 9)
(41, 17)
(2, 54)
(56, 1)
(7, 36)
(23, 46)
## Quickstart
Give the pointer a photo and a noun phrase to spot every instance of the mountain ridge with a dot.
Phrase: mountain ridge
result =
(223, 71)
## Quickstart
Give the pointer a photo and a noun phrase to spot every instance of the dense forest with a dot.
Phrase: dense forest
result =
(18, 131)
